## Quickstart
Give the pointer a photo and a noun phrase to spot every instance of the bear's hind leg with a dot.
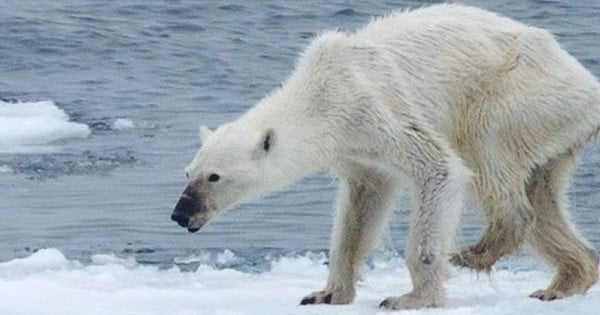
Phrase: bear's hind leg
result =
(553, 234)
(364, 203)
(504, 233)
(509, 215)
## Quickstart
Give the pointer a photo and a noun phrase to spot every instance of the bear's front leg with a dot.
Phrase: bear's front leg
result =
(363, 205)
(428, 275)
(439, 180)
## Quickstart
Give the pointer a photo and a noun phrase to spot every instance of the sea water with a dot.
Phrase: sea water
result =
(99, 114)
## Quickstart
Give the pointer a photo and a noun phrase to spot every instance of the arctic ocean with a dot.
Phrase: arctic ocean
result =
(100, 104)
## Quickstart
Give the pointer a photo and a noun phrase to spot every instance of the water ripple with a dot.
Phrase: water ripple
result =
(53, 165)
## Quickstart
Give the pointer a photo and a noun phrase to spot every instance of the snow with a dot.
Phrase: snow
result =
(48, 283)
(27, 125)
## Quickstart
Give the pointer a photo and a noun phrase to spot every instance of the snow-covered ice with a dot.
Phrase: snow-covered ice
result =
(48, 283)
(31, 124)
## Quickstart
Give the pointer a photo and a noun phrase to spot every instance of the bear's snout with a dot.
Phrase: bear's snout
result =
(189, 211)
(184, 209)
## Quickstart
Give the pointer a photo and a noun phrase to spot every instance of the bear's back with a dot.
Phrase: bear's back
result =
(438, 18)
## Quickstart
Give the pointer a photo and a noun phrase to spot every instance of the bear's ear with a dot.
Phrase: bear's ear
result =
(265, 145)
(267, 140)
(204, 134)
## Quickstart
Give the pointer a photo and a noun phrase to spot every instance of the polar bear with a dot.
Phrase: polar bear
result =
(456, 100)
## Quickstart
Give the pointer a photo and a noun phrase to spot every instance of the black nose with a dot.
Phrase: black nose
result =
(181, 219)
(185, 207)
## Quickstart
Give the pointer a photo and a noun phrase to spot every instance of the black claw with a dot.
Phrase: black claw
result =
(308, 300)
(536, 295)
(544, 296)
(327, 299)
(384, 303)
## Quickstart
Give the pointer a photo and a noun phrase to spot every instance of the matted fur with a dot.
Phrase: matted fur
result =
(456, 100)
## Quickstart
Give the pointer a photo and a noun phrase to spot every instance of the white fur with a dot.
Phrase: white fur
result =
(454, 98)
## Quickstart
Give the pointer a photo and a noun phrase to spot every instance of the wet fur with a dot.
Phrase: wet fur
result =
(455, 100)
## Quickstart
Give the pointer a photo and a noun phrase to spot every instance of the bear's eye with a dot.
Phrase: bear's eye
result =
(187, 175)
(213, 178)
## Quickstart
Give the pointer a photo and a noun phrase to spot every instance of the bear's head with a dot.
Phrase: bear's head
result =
(230, 167)
(287, 135)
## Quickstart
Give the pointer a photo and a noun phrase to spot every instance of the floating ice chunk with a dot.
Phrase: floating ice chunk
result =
(35, 124)
(5, 169)
(122, 123)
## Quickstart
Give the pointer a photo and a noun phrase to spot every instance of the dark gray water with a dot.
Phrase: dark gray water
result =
(170, 66)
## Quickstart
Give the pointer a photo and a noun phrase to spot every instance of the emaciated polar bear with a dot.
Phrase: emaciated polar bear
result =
(455, 99)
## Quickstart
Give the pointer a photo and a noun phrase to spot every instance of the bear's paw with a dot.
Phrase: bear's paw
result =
(412, 301)
(328, 297)
(547, 295)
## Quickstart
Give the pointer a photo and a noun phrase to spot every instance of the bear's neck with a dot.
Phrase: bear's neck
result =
(300, 137)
